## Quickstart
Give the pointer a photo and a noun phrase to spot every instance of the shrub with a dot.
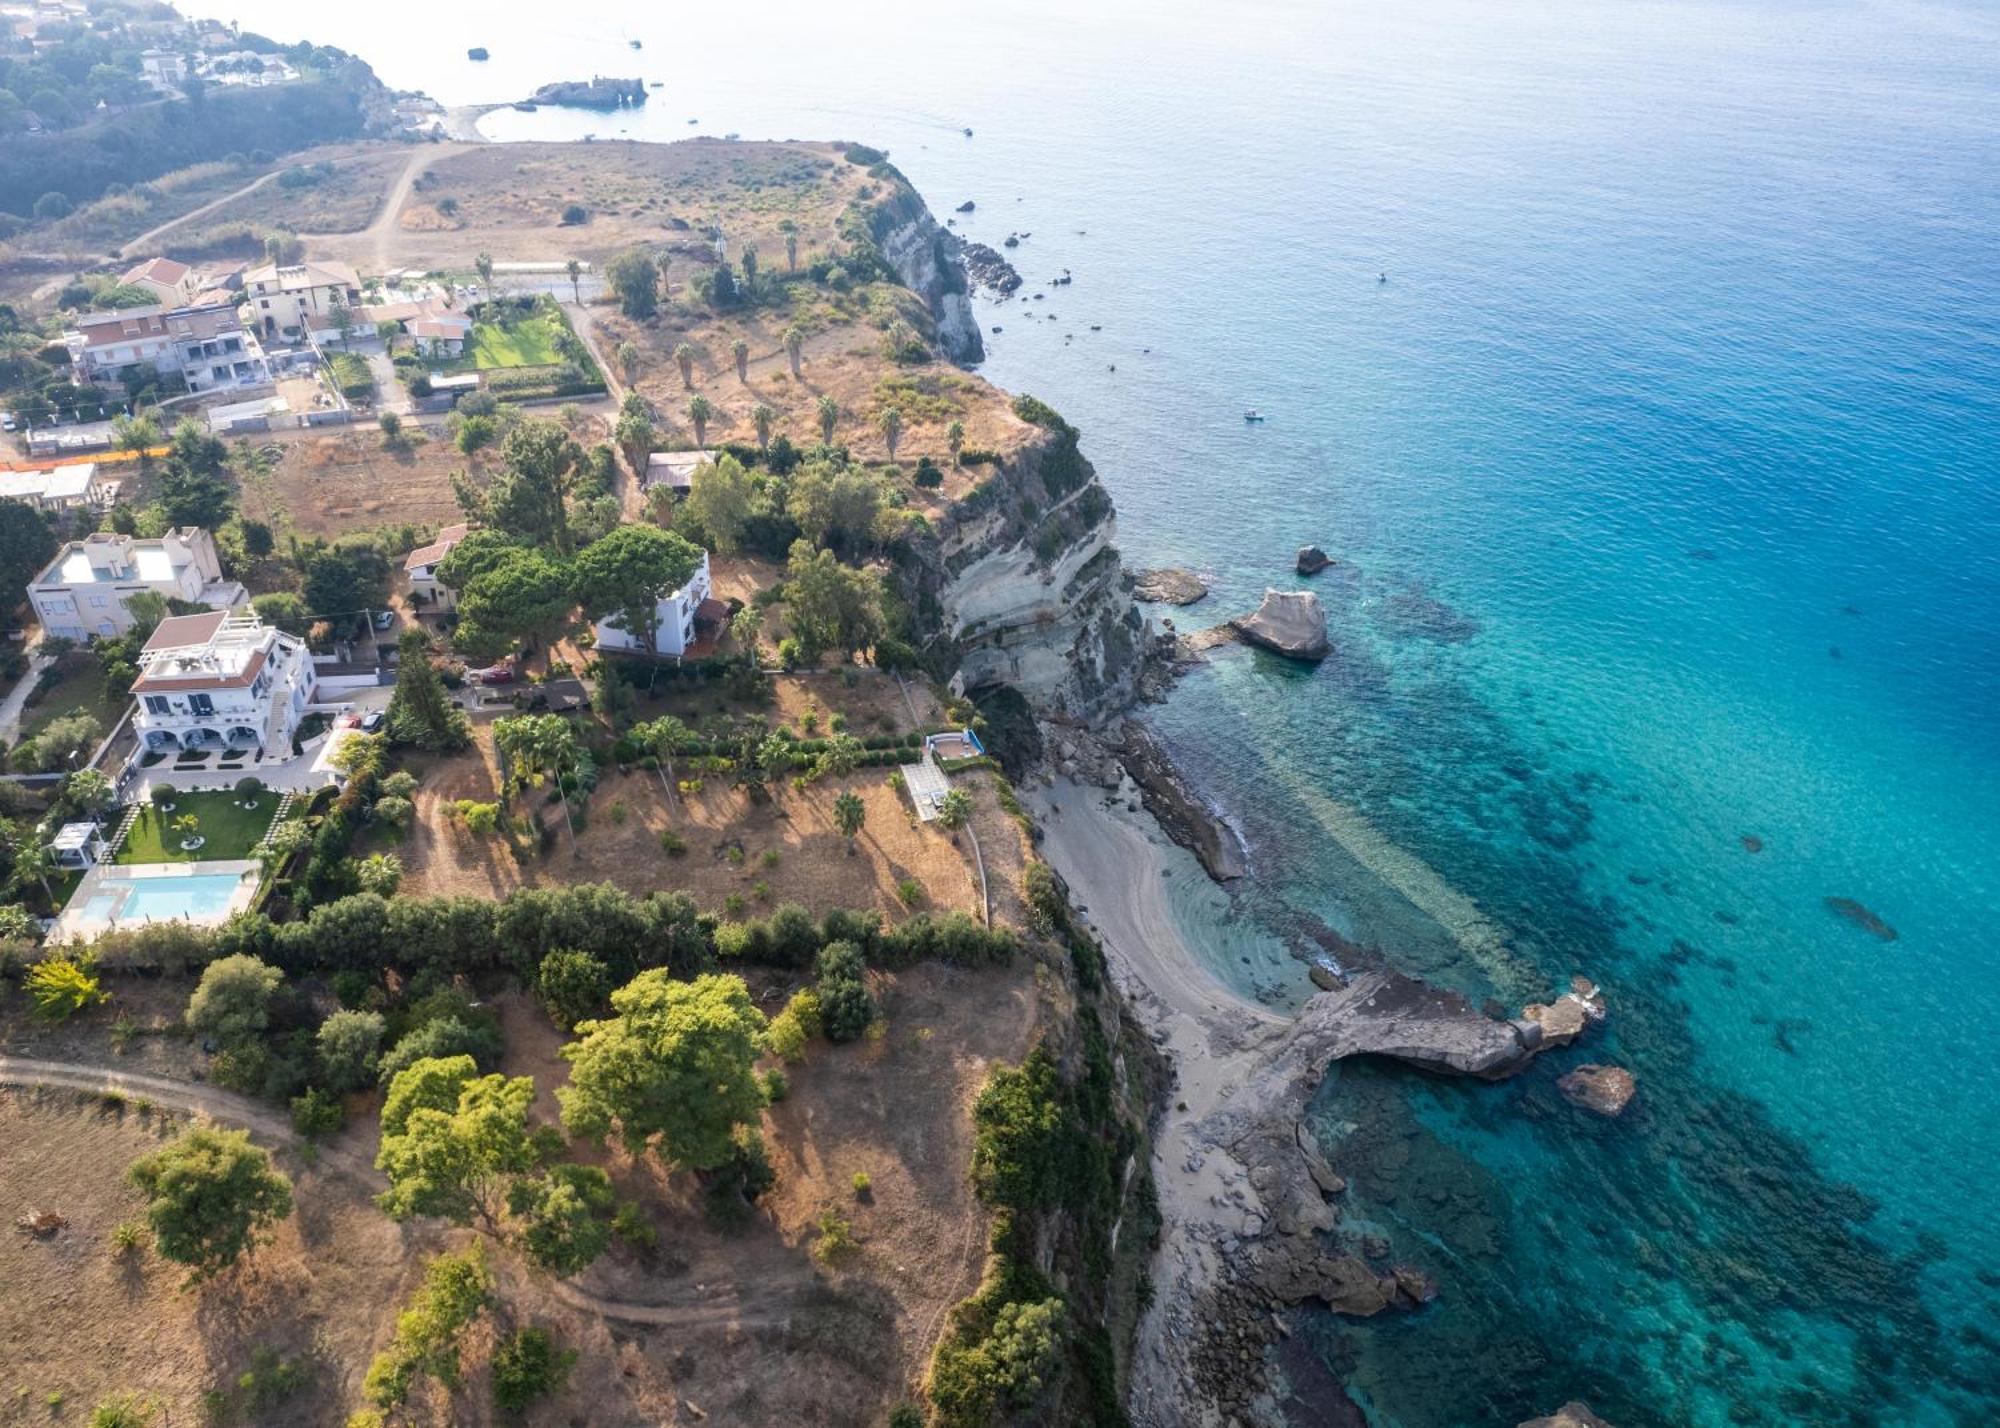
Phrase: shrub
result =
(777, 1085)
(573, 986)
(316, 1113)
(528, 1366)
(350, 1046)
(232, 1002)
(123, 1410)
(60, 987)
(910, 892)
(213, 1196)
(574, 214)
(836, 1243)
(456, 1291)
(862, 1184)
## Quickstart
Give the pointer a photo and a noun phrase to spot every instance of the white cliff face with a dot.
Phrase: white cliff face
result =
(1031, 593)
(927, 261)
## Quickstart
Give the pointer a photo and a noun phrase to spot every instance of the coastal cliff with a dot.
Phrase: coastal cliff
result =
(926, 259)
(1019, 584)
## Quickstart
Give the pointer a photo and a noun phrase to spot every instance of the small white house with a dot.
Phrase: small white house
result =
(221, 681)
(420, 566)
(79, 845)
(84, 589)
(61, 488)
(686, 615)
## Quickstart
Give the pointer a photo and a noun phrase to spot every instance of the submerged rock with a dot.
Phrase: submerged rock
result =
(1861, 917)
(1169, 586)
(1289, 622)
(1752, 843)
(1569, 1015)
(1312, 560)
(1606, 1090)
(1570, 1415)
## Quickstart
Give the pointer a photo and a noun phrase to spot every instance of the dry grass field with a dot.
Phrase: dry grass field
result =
(343, 201)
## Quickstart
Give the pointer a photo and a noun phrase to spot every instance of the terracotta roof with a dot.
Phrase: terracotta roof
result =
(158, 270)
(450, 327)
(179, 631)
(438, 549)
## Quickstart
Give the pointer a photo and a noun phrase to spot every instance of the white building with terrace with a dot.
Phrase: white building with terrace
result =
(221, 681)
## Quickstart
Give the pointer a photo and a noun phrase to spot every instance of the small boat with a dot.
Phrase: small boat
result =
(1252, 414)
(636, 45)
(475, 54)
(968, 133)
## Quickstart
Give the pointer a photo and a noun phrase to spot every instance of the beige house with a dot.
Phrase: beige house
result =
(173, 284)
(421, 568)
(84, 589)
(298, 299)
(206, 347)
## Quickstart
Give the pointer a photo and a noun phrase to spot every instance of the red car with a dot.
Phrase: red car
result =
(502, 673)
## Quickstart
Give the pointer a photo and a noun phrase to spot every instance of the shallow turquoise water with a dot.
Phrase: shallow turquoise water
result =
(1662, 473)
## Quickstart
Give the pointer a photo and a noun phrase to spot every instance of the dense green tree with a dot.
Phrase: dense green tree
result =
(213, 1197)
(719, 501)
(344, 581)
(421, 712)
(833, 606)
(672, 1070)
(635, 278)
(452, 1141)
(285, 610)
(529, 499)
(845, 1006)
(563, 1217)
(232, 1002)
(573, 985)
(349, 1045)
(623, 577)
(478, 552)
(192, 489)
(835, 506)
(523, 599)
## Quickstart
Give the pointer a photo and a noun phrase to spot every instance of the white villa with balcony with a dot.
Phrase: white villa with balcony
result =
(84, 589)
(207, 347)
(294, 301)
(688, 617)
(221, 681)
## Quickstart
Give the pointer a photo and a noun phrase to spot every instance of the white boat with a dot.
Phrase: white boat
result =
(1252, 414)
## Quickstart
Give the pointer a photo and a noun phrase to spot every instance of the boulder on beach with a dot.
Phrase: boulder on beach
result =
(1312, 560)
(1169, 586)
(1605, 1090)
(1570, 1415)
(1289, 622)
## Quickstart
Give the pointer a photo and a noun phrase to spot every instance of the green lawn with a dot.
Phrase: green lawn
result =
(231, 832)
(519, 342)
(81, 690)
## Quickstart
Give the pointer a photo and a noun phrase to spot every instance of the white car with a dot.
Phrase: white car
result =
(6, 421)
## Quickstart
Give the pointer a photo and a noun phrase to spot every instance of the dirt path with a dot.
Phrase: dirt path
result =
(715, 1310)
(145, 240)
(379, 234)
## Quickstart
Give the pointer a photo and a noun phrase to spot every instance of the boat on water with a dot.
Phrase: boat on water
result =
(476, 53)
(968, 133)
(636, 45)
(1252, 414)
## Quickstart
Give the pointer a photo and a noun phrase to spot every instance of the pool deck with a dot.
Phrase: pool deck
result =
(80, 921)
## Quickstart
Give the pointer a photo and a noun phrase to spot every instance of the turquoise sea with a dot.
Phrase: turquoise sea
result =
(1663, 472)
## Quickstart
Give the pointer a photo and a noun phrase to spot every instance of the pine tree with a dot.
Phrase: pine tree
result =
(421, 713)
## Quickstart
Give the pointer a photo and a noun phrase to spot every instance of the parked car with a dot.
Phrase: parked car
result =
(502, 673)
(6, 421)
(384, 618)
(371, 721)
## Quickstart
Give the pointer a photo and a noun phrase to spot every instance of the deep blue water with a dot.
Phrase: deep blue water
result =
(1662, 472)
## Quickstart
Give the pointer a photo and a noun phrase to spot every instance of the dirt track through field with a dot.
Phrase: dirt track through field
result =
(715, 1311)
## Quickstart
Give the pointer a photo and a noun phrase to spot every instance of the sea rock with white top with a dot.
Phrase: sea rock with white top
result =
(1289, 623)
(1312, 560)
(1604, 1090)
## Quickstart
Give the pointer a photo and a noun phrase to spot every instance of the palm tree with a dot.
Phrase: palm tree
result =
(684, 354)
(761, 417)
(36, 859)
(628, 361)
(791, 232)
(954, 810)
(187, 825)
(828, 411)
(750, 265)
(483, 264)
(740, 350)
(795, 344)
(954, 437)
(699, 411)
(848, 816)
(575, 271)
(891, 423)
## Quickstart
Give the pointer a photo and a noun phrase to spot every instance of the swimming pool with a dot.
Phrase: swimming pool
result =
(200, 894)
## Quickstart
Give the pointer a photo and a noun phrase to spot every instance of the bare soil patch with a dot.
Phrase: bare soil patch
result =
(343, 201)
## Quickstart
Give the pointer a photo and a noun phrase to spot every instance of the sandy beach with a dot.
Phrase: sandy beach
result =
(1118, 865)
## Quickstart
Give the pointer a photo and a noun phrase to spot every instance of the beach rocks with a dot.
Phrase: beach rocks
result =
(1570, 1415)
(1569, 1015)
(1179, 810)
(1388, 1014)
(1289, 623)
(1605, 1090)
(1312, 560)
(1861, 917)
(1169, 586)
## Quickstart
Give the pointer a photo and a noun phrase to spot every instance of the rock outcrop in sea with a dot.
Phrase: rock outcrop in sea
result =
(1606, 1090)
(1289, 622)
(1312, 560)
(1169, 586)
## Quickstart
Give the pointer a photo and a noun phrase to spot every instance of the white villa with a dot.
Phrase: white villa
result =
(84, 590)
(299, 299)
(221, 681)
(421, 568)
(60, 488)
(687, 616)
(206, 347)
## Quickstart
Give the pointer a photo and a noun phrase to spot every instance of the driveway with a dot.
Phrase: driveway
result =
(16, 702)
